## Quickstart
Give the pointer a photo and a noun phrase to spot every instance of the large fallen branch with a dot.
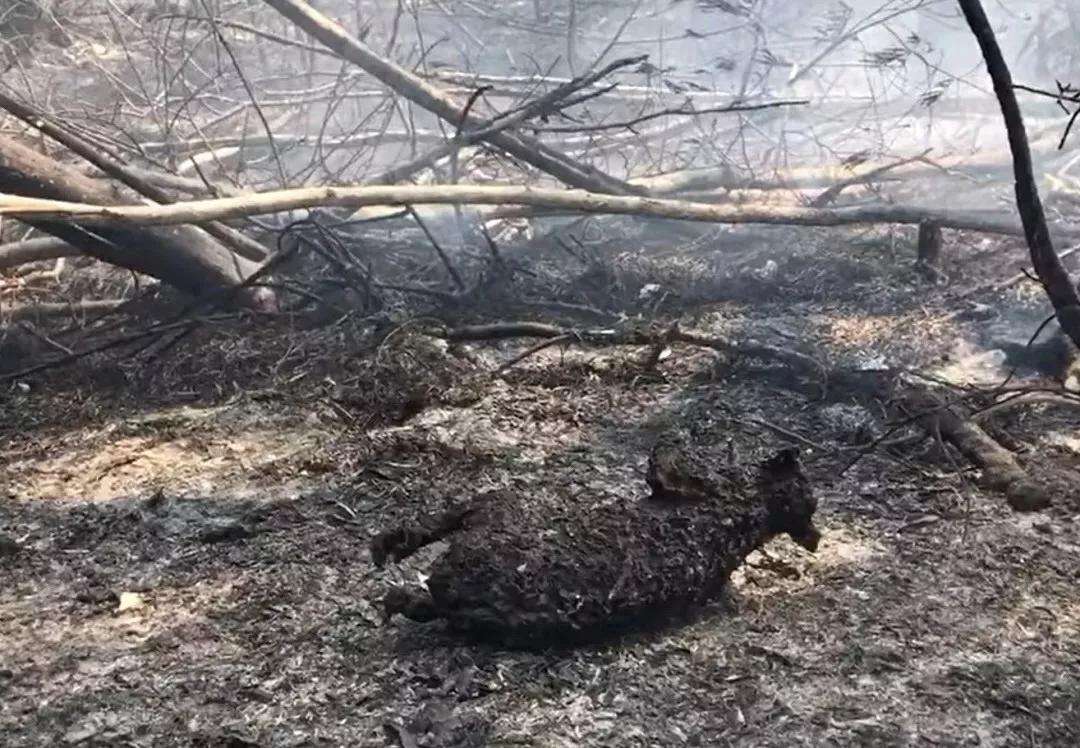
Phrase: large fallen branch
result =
(420, 91)
(183, 256)
(940, 414)
(990, 163)
(631, 337)
(185, 185)
(1000, 469)
(1055, 279)
(230, 237)
(280, 201)
(48, 310)
(229, 149)
(35, 250)
(294, 140)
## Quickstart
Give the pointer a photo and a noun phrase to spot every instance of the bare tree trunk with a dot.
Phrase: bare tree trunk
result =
(181, 256)
(1055, 279)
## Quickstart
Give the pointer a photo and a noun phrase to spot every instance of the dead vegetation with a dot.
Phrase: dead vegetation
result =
(928, 597)
(377, 297)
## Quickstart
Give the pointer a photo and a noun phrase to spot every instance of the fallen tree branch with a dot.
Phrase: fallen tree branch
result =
(230, 237)
(182, 256)
(185, 185)
(914, 403)
(153, 331)
(804, 177)
(35, 250)
(527, 82)
(1034, 397)
(681, 111)
(294, 140)
(632, 337)
(199, 147)
(832, 193)
(280, 201)
(1000, 469)
(49, 310)
(543, 345)
(182, 324)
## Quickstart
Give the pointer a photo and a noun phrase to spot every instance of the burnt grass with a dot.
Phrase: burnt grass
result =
(184, 541)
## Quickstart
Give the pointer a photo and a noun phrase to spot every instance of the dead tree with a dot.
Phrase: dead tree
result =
(1052, 274)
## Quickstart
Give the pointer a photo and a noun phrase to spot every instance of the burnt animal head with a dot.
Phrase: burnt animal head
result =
(790, 498)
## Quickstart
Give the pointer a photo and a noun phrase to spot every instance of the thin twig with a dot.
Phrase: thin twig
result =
(534, 350)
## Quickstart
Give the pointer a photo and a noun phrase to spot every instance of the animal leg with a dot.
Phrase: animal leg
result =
(411, 603)
(401, 542)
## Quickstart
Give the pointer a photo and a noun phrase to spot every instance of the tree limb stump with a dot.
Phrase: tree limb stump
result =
(929, 244)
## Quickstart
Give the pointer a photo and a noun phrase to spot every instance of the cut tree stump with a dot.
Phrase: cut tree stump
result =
(929, 260)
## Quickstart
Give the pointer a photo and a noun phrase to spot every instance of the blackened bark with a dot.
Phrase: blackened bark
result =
(930, 241)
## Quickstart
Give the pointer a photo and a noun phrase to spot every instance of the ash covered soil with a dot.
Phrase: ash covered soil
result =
(185, 543)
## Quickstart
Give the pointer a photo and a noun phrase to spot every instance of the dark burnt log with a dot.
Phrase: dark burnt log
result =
(1000, 469)
(536, 577)
(912, 403)
(182, 256)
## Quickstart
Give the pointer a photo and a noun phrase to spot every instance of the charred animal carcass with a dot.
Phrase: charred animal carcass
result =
(529, 578)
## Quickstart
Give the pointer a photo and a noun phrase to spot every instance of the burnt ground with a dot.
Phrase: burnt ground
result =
(185, 541)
